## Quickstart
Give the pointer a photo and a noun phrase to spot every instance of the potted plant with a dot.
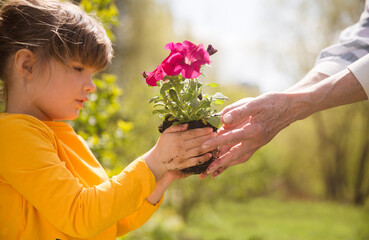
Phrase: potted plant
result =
(180, 98)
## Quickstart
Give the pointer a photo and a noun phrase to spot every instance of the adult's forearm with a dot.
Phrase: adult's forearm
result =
(339, 89)
(309, 80)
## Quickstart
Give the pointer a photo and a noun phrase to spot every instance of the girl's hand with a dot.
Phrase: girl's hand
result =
(178, 149)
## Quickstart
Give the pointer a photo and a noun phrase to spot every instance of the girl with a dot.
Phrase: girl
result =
(51, 186)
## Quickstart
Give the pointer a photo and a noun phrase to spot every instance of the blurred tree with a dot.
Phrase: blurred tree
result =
(105, 10)
(343, 147)
(361, 182)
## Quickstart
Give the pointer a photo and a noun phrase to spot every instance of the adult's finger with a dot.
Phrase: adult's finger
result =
(235, 105)
(231, 137)
(218, 172)
(240, 113)
(202, 175)
(223, 150)
(240, 151)
(223, 168)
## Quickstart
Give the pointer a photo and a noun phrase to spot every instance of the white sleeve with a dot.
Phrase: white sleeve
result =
(353, 44)
(360, 69)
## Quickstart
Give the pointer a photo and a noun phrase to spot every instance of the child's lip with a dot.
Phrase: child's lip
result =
(82, 100)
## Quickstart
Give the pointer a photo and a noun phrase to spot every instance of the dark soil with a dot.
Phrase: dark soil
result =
(192, 125)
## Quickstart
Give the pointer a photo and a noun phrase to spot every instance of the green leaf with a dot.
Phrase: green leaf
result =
(177, 85)
(215, 121)
(220, 96)
(187, 97)
(219, 102)
(193, 85)
(153, 99)
(206, 103)
(177, 111)
(159, 104)
(171, 118)
(160, 111)
(165, 87)
(173, 95)
(212, 85)
(194, 103)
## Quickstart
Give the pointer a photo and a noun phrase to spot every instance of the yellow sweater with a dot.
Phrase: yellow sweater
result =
(52, 187)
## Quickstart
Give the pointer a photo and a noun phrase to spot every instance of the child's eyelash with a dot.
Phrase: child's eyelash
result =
(79, 69)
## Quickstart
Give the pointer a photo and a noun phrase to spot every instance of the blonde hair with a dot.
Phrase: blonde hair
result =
(51, 29)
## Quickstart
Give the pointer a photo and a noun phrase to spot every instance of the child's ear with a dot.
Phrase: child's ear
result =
(24, 62)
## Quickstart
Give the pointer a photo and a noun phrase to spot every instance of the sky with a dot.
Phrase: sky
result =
(244, 33)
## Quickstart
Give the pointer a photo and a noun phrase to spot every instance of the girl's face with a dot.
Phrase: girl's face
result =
(61, 91)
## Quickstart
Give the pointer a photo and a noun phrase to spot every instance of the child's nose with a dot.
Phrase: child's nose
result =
(90, 86)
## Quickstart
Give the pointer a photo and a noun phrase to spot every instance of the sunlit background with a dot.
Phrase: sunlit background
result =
(310, 182)
(245, 34)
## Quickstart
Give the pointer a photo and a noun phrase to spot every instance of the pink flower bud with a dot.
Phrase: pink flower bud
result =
(211, 50)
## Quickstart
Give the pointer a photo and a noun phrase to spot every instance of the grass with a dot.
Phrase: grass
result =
(270, 219)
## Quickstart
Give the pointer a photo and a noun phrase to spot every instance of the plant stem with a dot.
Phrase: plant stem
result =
(181, 103)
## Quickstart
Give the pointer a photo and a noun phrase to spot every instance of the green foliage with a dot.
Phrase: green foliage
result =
(181, 100)
(162, 226)
(271, 219)
(105, 10)
(262, 219)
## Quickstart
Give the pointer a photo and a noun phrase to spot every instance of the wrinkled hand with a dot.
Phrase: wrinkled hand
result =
(178, 148)
(249, 124)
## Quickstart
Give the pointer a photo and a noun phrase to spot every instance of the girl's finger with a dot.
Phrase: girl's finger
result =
(195, 161)
(197, 151)
(177, 128)
(195, 133)
(197, 142)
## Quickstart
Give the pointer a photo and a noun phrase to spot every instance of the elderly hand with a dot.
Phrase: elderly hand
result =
(249, 124)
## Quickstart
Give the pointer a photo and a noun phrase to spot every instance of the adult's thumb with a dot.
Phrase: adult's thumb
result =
(236, 115)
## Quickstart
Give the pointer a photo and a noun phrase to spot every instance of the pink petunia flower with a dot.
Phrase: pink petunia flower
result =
(153, 77)
(185, 58)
